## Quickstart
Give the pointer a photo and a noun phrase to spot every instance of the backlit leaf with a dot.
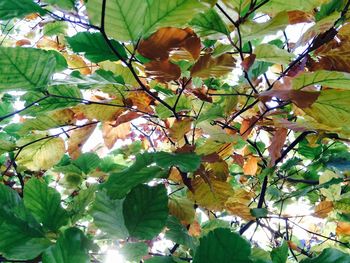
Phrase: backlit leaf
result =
(207, 66)
(42, 154)
(145, 211)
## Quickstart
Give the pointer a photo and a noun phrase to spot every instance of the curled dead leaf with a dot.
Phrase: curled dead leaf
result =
(163, 71)
(167, 39)
(277, 144)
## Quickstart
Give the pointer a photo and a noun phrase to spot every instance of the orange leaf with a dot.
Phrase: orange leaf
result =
(111, 134)
(23, 42)
(343, 228)
(323, 208)
(277, 144)
(163, 70)
(251, 165)
(77, 139)
(160, 43)
(141, 100)
(247, 127)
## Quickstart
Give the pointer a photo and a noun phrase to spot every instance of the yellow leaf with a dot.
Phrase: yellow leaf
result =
(207, 66)
(77, 139)
(76, 62)
(213, 196)
(323, 209)
(108, 112)
(179, 128)
(182, 208)
(40, 155)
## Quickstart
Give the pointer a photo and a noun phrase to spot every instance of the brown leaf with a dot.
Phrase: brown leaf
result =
(161, 43)
(182, 208)
(251, 165)
(111, 134)
(303, 99)
(201, 94)
(247, 127)
(141, 100)
(23, 42)
(277, 144)
(131, 115)
(77, 139)
(248, 62)
(298, 16)
(163, 71)
(238, 204)
(195, 229)
(323, 208)
(334, 55)
(238, 159)
(207, 66)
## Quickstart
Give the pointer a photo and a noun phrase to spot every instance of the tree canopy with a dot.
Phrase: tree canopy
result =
(170, 131)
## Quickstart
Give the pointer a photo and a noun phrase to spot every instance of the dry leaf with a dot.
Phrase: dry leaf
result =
(251, 165)
(163, 71)
(248, 62)
(179, 128)
(23, 42)
(323, 209)
(159, 44)
(298, 16)
(303, 99)
(77, 139)
(76, 62)
(277, 144)
(111, 133)
(247, 127)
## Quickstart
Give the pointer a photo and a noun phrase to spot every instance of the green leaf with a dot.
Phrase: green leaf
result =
(133, 252)
(81, 202)
(142, 171)
(251, 30)
(331, 109)
(18, 9)
(145, 211)
(209, 23)
(222, 245)
(41, 154)
(108, 216)
(67, 96)
(124, 19)
(275, 6)
(87, 162)
(45, 204)
(174, 13)
(71, 246)
(273, 54)
(186, 162)
(333, 79)
(94, 47)
(55, 28)
(183, 104)
(119, 184)
(159, 259)
(177, 233)
(25, 68)
(65, 4)
(329, 255)
(21, 236)
(259, 212)
(280, 254)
